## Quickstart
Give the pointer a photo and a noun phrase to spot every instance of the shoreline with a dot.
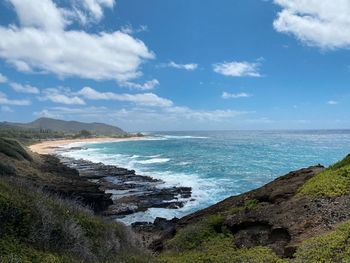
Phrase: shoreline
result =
(129, 192)
(50, 146)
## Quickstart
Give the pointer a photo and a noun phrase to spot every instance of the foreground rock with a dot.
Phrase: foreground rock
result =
(129, 192)
(280, 218)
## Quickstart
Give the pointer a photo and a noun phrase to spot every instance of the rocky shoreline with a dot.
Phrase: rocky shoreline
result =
(127, 191)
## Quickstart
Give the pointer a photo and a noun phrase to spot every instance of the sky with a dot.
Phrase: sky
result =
(152, 65)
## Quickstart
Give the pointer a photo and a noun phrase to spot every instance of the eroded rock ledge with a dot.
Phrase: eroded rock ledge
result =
(128, 192)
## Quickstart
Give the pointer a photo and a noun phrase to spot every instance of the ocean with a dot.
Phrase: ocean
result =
(217, 164)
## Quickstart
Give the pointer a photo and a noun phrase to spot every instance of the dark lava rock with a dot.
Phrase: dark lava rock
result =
(129, 191)
(152, 234)
(67, 182)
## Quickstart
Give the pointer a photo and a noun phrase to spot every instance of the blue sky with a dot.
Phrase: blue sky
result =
(177, 65)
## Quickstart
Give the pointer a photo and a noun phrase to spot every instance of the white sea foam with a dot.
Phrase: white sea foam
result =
(183, 137)
(204, 191)
(154, 160)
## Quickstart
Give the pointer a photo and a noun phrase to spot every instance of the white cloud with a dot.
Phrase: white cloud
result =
(6, 101)
(203, 115)
(332, 102)
(62, 96)
(237, 69)
(144, 99)
(148, 118)
(42, 14)
(24, 88)
(148, 85)
(325, 24)
(43, 44)
(188, 67)
(95, 7)
(129, 29)
(226, 95)
(3, 78)
(6, 109)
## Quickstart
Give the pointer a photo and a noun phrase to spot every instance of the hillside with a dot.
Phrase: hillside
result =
(45, 214)
(67, 127)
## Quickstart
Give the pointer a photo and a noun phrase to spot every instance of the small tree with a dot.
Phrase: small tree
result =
(85, 134)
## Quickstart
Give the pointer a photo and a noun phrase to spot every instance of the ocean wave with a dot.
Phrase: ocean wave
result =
(154, 160)
(183, 137)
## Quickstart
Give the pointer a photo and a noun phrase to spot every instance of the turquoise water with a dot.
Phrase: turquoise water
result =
(218, 164)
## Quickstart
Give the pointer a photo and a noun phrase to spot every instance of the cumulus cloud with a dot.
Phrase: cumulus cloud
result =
(43, 43)
(31, 14)
(6, 101)
(148, 85)
(237, 69)
(62, 96)
(3, 78)
(24, 88)
(226, 95)
(144, 99)
(325, 24)
(188, 67)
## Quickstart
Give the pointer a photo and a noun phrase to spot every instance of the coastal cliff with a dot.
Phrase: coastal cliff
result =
(47, 215)
(300, 217)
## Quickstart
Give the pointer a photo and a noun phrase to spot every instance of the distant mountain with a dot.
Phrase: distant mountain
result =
(69, 127)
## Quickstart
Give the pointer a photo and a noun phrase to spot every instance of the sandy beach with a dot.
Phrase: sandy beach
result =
(48, 147)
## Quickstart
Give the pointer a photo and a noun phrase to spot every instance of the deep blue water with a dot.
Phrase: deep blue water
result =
(218, 164)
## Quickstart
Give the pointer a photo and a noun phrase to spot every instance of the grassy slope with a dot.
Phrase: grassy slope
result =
(38, 227)
(332, 182)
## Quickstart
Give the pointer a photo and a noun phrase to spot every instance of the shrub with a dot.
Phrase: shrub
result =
(331, 247)
(221, 249)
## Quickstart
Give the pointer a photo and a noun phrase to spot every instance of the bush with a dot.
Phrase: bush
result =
(331, 247)
(221, 249)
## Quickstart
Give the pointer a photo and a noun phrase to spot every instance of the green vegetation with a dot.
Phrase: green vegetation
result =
(332, 182)
(37, 227)
(28, 136)
(331, 247)
(210, 241)
(220, 248)
(248, 205)
(13, 148)
(194, 235)
(6, 169)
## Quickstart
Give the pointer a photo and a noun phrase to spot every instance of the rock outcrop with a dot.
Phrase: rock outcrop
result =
(129, 192)
(281, 218)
